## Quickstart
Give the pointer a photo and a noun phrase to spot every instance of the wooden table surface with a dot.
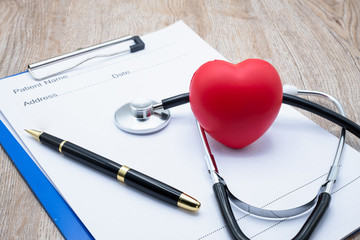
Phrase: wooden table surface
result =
(314, 44)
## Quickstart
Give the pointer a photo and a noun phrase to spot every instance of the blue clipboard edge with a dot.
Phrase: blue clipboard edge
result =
(13, 75)
(65, 219)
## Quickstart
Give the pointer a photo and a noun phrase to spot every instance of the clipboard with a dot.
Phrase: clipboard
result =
(166, 50)
(65, 219)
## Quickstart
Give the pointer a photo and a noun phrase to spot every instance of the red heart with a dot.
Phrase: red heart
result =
(236, 103)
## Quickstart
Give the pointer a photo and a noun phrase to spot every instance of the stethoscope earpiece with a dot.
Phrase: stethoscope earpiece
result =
(140, 117)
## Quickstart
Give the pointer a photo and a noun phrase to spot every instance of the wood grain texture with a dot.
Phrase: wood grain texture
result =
(313, 44)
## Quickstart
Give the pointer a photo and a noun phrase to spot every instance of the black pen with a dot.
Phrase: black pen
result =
(122, 173)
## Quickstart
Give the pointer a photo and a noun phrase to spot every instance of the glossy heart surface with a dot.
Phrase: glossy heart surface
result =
(236, 103)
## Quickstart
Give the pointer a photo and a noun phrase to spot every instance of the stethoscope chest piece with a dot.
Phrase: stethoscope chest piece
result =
(139, 117)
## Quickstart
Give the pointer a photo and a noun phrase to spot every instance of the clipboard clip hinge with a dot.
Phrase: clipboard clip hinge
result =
(137, 46)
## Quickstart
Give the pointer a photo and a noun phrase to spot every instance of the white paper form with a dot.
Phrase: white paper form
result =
(284, 168)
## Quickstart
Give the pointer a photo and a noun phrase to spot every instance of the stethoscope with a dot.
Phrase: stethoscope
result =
(144, 116)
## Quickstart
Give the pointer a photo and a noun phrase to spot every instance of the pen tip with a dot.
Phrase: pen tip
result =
(35, 133)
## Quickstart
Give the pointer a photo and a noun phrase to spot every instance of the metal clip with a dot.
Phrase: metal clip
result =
(139, 45)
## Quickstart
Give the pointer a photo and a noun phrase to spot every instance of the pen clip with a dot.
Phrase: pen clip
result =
(137, 46)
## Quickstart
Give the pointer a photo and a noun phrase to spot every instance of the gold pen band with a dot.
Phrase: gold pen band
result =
(61, 145)
(188, 203)
(122, 172)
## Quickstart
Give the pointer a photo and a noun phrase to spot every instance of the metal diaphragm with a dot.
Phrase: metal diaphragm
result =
(139, 117)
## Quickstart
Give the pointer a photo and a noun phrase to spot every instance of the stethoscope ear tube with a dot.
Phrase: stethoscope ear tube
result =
(315, 216)
(223, 201)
